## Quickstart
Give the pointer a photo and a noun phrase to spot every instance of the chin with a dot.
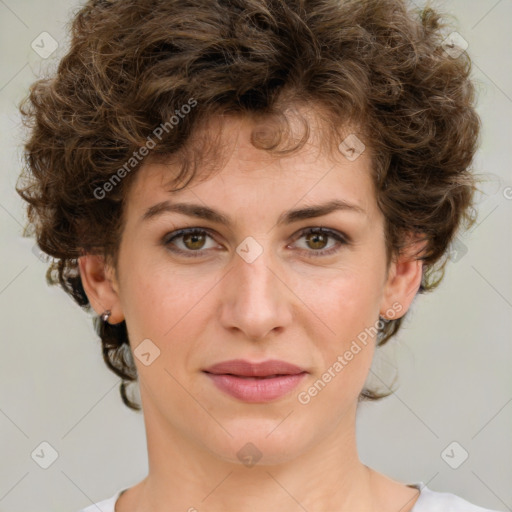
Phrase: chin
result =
(261, 442)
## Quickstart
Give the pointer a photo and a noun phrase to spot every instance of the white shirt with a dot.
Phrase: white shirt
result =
(428, 501)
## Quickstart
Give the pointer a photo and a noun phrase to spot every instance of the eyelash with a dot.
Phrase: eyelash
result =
(339, 237)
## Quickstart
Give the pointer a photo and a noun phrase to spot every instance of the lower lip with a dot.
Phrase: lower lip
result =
(256, 389)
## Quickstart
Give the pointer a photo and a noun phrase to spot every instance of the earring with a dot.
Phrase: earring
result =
(105, 315)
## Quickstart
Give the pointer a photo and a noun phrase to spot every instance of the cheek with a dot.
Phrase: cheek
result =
(343, 325)
(165, 306)
(345, 300)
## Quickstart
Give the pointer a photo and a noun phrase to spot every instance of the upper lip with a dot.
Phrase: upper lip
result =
(247, 369)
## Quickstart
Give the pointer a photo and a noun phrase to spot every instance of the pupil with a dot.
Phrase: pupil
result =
(195, 238)
(316, 236)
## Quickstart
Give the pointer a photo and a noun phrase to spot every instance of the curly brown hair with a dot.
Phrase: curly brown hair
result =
(133, 64)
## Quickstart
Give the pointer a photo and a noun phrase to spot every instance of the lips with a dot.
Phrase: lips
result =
(255, 382)
(265, 369)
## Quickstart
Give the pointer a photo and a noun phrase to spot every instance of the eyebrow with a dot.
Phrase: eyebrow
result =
(287, 217)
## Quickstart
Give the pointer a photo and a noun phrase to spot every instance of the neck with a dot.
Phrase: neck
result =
(184, 475)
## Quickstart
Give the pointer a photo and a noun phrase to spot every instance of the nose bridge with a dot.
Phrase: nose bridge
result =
(256, 275)
(254, 299)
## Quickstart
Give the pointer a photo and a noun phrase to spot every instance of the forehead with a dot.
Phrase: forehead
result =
(249, 177)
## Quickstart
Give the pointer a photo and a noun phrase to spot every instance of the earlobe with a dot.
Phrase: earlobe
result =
(100, 285)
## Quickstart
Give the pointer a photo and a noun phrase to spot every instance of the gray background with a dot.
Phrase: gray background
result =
(453, 354)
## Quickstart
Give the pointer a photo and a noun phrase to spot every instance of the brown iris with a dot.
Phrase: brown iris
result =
(314, 238)
(197, 240)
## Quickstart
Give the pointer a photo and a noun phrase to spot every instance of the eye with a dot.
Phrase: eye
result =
(317, 238)
(191, 242)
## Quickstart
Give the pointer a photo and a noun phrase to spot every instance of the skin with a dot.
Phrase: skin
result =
(287, 304)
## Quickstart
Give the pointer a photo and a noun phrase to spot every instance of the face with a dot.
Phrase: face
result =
(256, 289)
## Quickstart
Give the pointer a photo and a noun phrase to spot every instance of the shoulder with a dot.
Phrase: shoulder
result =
(432, 501)
(107, 505)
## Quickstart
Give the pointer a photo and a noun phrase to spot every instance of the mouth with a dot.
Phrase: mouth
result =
(255, 377)
(266, 369)
(255, 382)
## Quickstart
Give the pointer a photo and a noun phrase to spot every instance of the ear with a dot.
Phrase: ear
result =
(404, 278)
(100, 285)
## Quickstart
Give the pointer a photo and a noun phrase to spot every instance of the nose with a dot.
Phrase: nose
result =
(255, 298)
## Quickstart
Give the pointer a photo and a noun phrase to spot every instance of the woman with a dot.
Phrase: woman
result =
(250, 194)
